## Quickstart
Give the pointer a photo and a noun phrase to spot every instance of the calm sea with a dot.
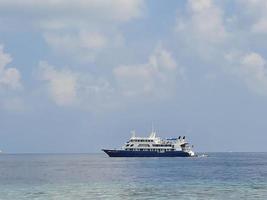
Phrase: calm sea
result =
(96, 176)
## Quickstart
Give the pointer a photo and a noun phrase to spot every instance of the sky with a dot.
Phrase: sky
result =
(78, 76)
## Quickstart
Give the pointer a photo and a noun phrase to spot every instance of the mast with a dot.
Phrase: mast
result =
(153, 132)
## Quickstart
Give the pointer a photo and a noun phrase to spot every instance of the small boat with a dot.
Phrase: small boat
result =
(153, 146)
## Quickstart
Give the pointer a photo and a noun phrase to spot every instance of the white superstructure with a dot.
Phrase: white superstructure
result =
(154, 143)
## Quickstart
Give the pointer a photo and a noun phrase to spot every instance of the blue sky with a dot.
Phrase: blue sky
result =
(77, 76)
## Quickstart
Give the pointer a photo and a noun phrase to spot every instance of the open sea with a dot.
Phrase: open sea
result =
(96, 176)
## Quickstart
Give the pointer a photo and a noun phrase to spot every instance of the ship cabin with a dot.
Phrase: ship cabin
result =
(153, 143)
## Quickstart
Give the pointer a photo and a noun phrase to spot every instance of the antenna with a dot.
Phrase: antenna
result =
(133, 133)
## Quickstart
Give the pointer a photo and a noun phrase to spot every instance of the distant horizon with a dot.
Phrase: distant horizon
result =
(101, 152)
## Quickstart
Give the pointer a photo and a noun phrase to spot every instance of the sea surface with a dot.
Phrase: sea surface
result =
(96, 176)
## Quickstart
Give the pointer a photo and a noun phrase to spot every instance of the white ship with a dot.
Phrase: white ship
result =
(153, 146)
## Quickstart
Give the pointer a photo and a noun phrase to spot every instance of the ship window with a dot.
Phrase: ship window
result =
(132, 145)
(127, 145)
(143, 145)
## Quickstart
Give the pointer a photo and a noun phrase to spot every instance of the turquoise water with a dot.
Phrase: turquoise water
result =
(96, 176)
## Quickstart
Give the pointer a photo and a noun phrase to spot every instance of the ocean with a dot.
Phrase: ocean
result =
(96, 176)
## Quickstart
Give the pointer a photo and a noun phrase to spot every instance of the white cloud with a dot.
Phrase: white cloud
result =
(255, 10)
(83, 46)
(250, 68)
(155, 78)
(260, 26)
(78, 29)
(69, 88)
(61, 84)
(97, 9)
(200, 5)
(204, 22)
(10, 84)
(9, 77)
(209, 30)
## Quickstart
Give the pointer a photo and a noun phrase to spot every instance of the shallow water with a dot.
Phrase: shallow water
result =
(96, 176)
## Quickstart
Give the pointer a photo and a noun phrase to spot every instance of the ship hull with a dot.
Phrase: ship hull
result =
(124, 153)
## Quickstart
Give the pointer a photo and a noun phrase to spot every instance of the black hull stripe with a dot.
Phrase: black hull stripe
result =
(123, 153)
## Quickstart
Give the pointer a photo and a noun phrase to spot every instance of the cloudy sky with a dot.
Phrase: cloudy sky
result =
(77, 76)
